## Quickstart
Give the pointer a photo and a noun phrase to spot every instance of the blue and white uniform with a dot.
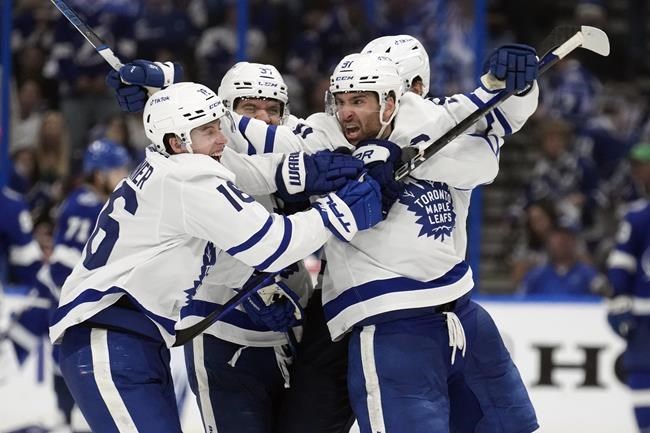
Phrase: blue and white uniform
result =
(629, 274)
(221, 357)
(159, 235)
(20, 259)
(20, 255)
(390, 285)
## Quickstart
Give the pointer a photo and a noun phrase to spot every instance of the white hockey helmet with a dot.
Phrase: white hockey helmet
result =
(253, 80)
(408, 53)
(178, 109)
(367, 72)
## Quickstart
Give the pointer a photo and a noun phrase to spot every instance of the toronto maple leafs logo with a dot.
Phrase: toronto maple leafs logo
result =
(433, 205)
(209, 259)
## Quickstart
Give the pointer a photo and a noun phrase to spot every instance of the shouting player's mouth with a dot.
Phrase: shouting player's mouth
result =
(352, 132)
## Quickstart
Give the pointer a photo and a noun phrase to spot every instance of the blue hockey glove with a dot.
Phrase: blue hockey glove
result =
(380, 157)
(620, 316)
(516, 64)
(302, 175)
(130, 96)
(275, 307)
(131, 82)
(356, 206)
(151, 74)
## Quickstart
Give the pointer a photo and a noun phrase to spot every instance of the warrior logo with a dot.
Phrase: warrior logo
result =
(433, 205)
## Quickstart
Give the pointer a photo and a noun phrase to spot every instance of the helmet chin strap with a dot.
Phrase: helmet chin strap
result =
(384, 125)
(188, 146)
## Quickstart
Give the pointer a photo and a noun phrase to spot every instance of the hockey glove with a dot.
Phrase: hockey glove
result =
(301, 175)
(356, 206)
(275, 307)
(130, 97)
(151, 74)
(380, 157)
(620, 316)
(516, 65)
(132, 82)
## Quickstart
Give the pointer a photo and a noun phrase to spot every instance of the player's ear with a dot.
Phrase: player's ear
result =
(389, 107)
(173, 144)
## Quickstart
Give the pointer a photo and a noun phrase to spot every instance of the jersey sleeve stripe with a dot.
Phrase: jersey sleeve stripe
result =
(488, 142)
(476, 100)
(253, 239)
(243, 124)
(502, 120)
(270, 139)
(282, 248)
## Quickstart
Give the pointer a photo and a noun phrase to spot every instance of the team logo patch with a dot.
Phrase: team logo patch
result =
(433, 205)
(209, 259)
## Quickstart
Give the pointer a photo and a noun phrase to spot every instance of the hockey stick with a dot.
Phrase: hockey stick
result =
(93, 39)
(561, 41)
(88, 33)
(251, 287)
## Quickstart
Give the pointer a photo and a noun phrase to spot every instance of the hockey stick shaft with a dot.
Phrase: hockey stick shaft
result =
(88, 33)
(546, 62)
(186, 334)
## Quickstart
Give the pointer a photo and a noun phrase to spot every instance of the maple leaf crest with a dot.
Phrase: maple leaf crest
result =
(432, 203)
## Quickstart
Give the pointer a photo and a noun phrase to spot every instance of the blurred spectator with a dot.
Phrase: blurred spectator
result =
(27, 116)
(570, 92)
(562, 177)
(608, 136)
(217, 48)
(164, 26)
(39, 173)
(117, 130)
(630, 182)
(446, 29)
(80, 71)
(565, 273)
(530, 247)
(29, 64)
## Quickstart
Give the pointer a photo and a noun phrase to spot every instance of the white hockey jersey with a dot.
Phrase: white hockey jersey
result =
(415, 258)
(219, 286)
(164, 229)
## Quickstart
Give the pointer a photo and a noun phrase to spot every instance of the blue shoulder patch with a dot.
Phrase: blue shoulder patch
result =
(433, 205)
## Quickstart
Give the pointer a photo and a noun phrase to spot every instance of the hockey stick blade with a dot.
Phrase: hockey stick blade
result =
(596, 40)
(252, 286)
(590, 38)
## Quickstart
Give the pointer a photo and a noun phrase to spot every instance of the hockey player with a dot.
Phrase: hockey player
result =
(238, 368)
(408, 289)
(20, 255)
(629, 306)
(20, 259)
(161, 232)
(410, 301)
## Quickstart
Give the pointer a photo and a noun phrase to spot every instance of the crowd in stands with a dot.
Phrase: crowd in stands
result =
(588, 134)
